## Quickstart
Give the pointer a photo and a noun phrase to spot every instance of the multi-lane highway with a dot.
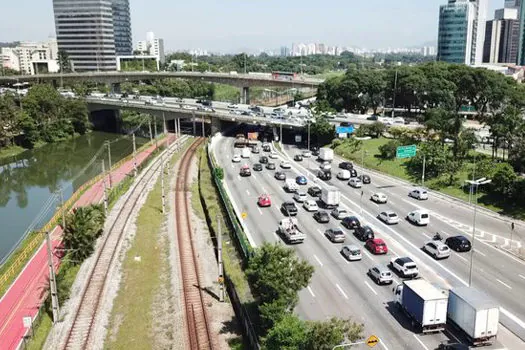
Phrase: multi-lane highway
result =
(341, 288)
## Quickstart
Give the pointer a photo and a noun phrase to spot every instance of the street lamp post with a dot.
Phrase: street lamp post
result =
(363, 166)
(474, 184)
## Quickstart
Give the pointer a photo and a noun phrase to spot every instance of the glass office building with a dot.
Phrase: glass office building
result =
(455, 33)
(122, 27)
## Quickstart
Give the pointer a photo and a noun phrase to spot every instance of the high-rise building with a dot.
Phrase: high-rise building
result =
(521, 45)
(461, 32)
(30, 57)
(285, 51)
(92, 32)
(152, 46)
(502, 37)
(512, 4)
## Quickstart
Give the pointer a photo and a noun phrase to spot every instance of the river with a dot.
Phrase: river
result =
(29, 180)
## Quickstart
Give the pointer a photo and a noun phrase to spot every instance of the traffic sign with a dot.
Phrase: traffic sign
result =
(27, 321)
(344, 129)
(372, 341)
(244, 215)
(406, 151)
(220, 280)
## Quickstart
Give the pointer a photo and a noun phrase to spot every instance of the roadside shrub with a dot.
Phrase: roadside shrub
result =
(388, 150)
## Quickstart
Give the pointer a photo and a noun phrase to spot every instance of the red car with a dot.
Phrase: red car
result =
(376, 246)
(264, 200)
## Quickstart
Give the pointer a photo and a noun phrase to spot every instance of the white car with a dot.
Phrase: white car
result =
(273, 155)
(355, 182)
(340, 213)
(236, 159)
(343, 175)
(419, 217)
(351, 252)
(286, 165)
(325, 166)
(389, 217)
(310, 205)
(300, 196)
(379, 197)
(307, 154)
(233, 106)
(404, 266)
(419, 193)
(437, 249)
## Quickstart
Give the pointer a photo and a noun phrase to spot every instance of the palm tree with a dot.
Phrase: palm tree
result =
(83, 227)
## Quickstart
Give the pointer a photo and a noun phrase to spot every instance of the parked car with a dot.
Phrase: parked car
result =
(404, 266)
(346, 165)
(322, 217)
(376, 246)
(340, 213)
(437, 249)
(263, 160)
(419, 217)
(286, 165)
(379, 198)
(315, 191)
(289, 209)
(257, 167)
(279, 175)
(458, 243)
(270, 166)
(264, 200)
(324, 175)
(364, 233)
(236, 158)
(298, 158)
(389, 217)
(418, 193)
(301, 180)
(355, 182)
(310, 205)
(300, 196)
(380, 274)
(351, 252)
(343, 175)
(365, 179)
(351, 222)
(336, 235)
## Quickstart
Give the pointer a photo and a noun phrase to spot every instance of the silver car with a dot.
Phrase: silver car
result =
(380, 274)
(437, 249)
(351, 252)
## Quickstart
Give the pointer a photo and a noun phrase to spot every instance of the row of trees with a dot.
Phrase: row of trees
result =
(172, 87)
(276, 276)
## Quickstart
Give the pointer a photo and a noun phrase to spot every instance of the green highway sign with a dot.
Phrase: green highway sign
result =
(406, 151)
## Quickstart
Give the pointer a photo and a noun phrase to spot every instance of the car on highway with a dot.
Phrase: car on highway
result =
(263, 160)
(255, 150)
(310, 205)
(301, 180)
(364, 233)
(346, 165)
(273, 155)
(437, 249)
(270, 166)
(419, 217)
(376, 246)
(340, 213)
(351, 252)
(351, 222)
(335, 235)
(257, 167)
(389, 217)
(325, 166)
(264, 200)
(324, 175)
(374, 117)
(365, 179)
(404, 266)
(379, 197)
(298, 158)
(355, 182)
(380, 274)
(315, 191)
(307, 154)
(233, 106)
(236, 158)
(315, 151)
(322, 217)
(458, 243)
(286, 165)
(266, 147)
(418, 193)
(343, 175)
(353, 172)
(300, 196)
(289, 208)
(245, 171)
(280, 175)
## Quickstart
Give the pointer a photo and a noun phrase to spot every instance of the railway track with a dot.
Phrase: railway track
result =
(197, 324)
(80, 334)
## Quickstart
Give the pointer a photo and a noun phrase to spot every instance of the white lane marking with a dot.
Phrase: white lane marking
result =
(367, 254)
(311, 291)
(382, 343)
(480, 253)
(233, 166)
(341, 291)
(269, 175)
(318, 260)
(320, 232)
(239, 177)
(264, 190)
(391, 202)
(369, 286)
(512, 317)
(426, 235)
(420, 342)
(521, 276)
(462, 258)
(247, 192)
(505, 284)
(255, 177)
(259, 209)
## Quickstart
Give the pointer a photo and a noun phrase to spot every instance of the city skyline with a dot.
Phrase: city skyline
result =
(355, 25)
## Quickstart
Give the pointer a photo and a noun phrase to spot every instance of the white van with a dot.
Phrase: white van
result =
(245, 152)
(343, 175)
(419, 217)
(290, 185)
(419, 193)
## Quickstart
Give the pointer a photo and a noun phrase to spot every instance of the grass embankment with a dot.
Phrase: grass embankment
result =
(226, 93)
(398, 168)
(133, 324)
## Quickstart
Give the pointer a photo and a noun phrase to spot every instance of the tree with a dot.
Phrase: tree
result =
(83, 227)
(287, 334)
(503, 180)
(389, 149)
(436, 160)
(321, 130)
(324, 335)
(64, 64)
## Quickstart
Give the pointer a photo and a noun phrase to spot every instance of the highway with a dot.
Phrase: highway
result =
(340, 288)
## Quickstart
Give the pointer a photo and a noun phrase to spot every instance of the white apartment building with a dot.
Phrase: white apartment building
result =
(31, 57)
(152, 46)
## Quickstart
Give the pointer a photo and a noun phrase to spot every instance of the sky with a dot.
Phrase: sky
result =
(235, 25)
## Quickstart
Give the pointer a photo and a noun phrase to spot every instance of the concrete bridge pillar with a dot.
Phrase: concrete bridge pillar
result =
(215, 125)
(245, 95)
(115, 88)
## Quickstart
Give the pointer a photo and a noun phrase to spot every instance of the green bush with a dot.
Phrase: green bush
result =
(389, 149)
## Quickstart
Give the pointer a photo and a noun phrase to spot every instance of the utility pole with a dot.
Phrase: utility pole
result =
(156, 135)
(109, 163)
(394, 96)
(63, 210)
(245, 63)
(105, 187)
(134, 155)
(203, 131)
(150, 133)
(162, 185)
(193, 120)
(423, 174)
(281, 132)
(219, 259)
(52, 280)
(308, 134)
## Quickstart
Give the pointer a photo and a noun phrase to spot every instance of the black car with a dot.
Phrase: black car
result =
(315, 151)
(364, 233)
(346, 165)
(279, 175)
(270, 166)
(289, 209)
(322, 217)
(315, 191)
(324, 175)
(257, 167)
(298, 158)
(365, 179)
(351, 222)
(263, 160)
(353, 173)
(373, 117)
(458, 243)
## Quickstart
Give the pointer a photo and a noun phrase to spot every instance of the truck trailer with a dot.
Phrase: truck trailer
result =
(423, 303)
(326, 154)
(474, 313)
(330, 197)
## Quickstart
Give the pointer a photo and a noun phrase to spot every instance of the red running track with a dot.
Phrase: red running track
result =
(26, 294)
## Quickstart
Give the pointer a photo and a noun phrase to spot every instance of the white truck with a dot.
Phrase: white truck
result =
(474, 313)
(423, 303)
(326, 154)
(245, 152)
(290, 232)
(331, 197)
(290, 185)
